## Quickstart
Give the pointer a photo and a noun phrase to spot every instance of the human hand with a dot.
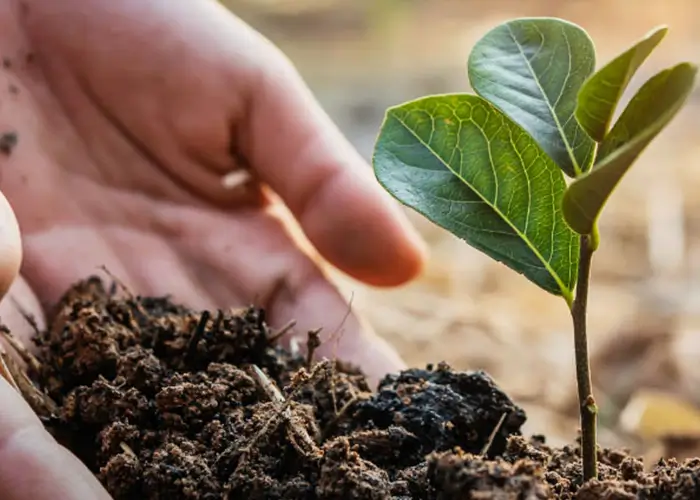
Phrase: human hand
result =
(129, 114)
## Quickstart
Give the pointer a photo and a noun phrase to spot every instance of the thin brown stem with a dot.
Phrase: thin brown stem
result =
(588, 408)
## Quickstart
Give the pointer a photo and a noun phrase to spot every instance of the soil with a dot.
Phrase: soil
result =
(163, 402)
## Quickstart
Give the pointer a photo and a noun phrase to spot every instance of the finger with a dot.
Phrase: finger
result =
(32, 464)
(300, 153)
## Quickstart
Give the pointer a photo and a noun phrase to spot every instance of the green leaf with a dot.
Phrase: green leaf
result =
(532, 69)
(465, 166)
(649, 111)
(600, 94)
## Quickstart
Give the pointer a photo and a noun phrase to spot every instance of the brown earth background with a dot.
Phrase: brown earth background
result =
(360, 57)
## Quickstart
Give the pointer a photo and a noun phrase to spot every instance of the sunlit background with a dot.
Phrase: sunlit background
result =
(360, 57)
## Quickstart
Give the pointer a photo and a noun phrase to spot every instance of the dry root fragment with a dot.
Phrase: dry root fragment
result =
(41, 403)
(298, 436)
(313, 342)
(18, 347)
(492, 436)
(330, 427)
(296, 433)
(5, 369)
(282, 331)
(127, 449)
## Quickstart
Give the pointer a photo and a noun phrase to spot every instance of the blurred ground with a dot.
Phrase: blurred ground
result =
(361, 56)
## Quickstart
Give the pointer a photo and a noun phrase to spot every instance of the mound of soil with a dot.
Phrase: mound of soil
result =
(162, 402)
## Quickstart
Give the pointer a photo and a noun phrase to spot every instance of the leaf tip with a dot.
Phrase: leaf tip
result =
(657, 32)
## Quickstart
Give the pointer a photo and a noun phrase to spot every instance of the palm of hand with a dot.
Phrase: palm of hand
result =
(125, 133)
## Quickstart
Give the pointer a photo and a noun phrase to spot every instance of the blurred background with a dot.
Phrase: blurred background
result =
(361, 56)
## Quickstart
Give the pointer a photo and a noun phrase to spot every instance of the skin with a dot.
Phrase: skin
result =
(129, 113)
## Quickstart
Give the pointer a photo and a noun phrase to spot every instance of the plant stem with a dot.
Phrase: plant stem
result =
(588, 408)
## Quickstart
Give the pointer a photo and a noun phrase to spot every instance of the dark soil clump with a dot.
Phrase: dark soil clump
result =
(162, 402)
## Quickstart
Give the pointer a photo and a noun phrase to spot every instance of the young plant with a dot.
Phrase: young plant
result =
(492, 168)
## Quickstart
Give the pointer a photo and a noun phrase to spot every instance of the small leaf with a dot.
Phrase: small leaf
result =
(532, 69)
(464, 165)
(600, 94)
(649, 111)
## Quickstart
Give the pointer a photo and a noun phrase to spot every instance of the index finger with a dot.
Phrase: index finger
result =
(300, 153)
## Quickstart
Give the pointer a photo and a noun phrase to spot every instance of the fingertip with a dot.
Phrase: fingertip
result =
(361, 230)
(411, 253)
(328, 186)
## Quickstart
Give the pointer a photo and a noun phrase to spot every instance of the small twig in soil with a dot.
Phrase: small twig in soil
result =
(282, 331)
(334, 399)
(130, 295)
(196, 336)
(339, 329)
(19, 348)
(271, 390)
(492, 436)
(5, 370)
(118, 282)
(127, 449)
(303, 377)
(294, 430)
(29, 318)
(298, 383)
(41, 403)
(330, 427)
(313, 342)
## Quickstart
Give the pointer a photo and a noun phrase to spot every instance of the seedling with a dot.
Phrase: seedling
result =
(522, 170)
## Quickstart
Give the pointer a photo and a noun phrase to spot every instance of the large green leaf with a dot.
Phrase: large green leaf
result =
(600, 94)
(464, 165)
(532, 69)
(649, 111)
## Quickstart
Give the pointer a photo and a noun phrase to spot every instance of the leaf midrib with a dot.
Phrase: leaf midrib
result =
(577, 168)
(568, 295)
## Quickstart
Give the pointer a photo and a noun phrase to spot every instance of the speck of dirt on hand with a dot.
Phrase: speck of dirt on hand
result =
(13, 89)
(8, 142)
(6, 62)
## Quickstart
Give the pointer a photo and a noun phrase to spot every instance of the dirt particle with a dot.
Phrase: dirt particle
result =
(8, 142)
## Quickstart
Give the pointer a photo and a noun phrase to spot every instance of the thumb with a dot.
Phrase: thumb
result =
(10, 246)
(32, 464)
